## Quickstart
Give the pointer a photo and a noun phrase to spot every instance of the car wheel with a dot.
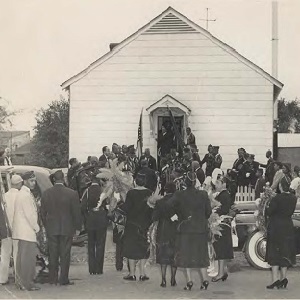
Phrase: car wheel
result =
(255, 250)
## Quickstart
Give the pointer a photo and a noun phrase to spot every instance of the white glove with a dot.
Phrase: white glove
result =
(174, 218)
(247, 175)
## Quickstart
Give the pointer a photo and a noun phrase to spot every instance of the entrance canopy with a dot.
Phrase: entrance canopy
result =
(168, 101)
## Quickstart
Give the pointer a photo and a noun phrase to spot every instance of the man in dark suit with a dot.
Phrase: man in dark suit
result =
(260, 183)
(96, 222)
(104, 158)
(150, 159)
(270, 172)
(61, 215)
(165, 141)
(151, 178)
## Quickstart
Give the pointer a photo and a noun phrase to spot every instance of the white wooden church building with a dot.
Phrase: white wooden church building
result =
(226, 99)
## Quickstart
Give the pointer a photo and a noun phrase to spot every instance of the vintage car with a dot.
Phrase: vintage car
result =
(251, 240)
(43, 183)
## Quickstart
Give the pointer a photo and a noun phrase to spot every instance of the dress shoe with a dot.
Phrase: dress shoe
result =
(144, 278)
(283, 284)
(188, 286)
(130, 278)
(276, 284)
(223, 278)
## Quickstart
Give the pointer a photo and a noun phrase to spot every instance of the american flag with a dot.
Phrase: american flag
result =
(140, 136)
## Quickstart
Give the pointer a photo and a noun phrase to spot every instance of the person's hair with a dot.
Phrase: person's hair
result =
(89, 158)
(58, 176)
(104, 149)
(170, 187)
(287, 166)
(269, 152)
(72, 160)
(140, 179)
(186, 150)
(297, 169)
(188, 128)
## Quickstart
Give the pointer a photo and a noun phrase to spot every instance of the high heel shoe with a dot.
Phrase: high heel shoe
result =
(223, 278)
(283, 283)
(277, 284)
(188, 286)
(173, 282)
(163, 283)
(204, 285)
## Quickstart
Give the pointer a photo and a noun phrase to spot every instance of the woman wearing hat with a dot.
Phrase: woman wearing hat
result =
(192, 207)
(281, 251)
(139, 219)
(166, 233)
(223, 245)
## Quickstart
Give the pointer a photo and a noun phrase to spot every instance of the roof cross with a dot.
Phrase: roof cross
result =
(207, 19)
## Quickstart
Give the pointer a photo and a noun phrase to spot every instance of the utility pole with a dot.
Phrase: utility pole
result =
(207, 19)
(275, 73)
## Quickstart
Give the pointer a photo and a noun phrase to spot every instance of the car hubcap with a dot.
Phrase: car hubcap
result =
(260, 248)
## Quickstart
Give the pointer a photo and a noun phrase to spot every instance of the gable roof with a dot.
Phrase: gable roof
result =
(168, 101)
(9, 134)
(171, 21)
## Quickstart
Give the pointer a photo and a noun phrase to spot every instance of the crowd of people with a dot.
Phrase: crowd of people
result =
(184, 192)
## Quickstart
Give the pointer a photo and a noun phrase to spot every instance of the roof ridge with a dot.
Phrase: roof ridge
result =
(154, 21)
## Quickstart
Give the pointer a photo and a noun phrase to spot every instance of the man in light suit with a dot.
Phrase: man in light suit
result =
(24, 229)
(61, 216)
(7, 157)
(8, 245)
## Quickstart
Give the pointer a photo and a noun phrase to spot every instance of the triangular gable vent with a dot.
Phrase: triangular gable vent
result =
(170, 24)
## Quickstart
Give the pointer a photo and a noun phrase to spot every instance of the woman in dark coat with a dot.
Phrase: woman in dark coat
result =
(139, 219)
(281, 251)
(166, 233)
(223, 245)
(193, 209)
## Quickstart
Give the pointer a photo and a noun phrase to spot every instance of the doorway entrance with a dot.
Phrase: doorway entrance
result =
(172, 142)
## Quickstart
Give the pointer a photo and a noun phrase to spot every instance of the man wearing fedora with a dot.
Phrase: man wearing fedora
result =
(61, 216)
(8, 245)
(24, 229)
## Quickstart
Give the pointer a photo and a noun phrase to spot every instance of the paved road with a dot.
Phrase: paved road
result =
(246, 282)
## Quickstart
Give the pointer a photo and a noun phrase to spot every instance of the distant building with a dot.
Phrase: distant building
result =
(289, 148)
(18, 142)
(172, 62)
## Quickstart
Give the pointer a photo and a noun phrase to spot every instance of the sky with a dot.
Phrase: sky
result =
(45, 42)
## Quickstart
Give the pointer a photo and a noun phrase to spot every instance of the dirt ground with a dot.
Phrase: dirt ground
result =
(243, 282)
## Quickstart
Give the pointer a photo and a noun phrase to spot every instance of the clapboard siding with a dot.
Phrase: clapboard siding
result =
(146, 74)
(174, 81)
(234, 104)
(231, 104)
(155, 95)
(132, 89)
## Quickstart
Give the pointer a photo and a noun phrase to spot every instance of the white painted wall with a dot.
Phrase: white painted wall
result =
(231, 104)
